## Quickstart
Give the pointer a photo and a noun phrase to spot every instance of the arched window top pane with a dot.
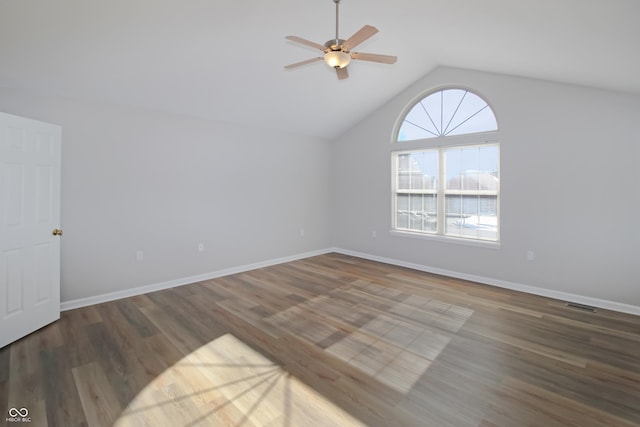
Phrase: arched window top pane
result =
(447, 112)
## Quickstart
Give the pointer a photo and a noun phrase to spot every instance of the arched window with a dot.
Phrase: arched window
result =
(449, 188)
(445, 113)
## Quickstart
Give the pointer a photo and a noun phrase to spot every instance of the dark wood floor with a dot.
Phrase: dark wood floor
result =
(328, 340)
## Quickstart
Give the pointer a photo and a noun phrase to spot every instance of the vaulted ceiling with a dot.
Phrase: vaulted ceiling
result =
(223, 60)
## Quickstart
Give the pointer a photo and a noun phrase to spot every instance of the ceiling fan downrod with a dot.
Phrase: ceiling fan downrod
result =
(337, 2)
(335, 45)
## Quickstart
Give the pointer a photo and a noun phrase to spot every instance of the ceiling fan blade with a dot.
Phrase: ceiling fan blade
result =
(361, 35)
(306, 42)
(373, 57)
(301, 63)
(342, 73)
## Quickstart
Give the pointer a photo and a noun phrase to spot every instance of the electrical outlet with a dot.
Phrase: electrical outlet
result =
(139, 255)
(374, 234)
(200, 247)
(302, 232)
(530, 256)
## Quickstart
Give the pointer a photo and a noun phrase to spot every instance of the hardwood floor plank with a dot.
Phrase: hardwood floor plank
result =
(72, 325)
(330, 340)
(544, 408)
(99, 401)
(143, 327)
(5, 367)
(181, 338)
(111, 359)
(63, 407)
(26, 384)
(582, 386)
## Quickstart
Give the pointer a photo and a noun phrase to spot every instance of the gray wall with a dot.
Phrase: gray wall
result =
(570, 188)
(161, 183)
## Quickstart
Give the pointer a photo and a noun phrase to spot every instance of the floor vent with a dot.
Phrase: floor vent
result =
(581, 307)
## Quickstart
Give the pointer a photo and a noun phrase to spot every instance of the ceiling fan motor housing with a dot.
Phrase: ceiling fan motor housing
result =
(335, 44)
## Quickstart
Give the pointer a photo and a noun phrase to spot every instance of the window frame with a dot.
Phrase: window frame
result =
(441, 143)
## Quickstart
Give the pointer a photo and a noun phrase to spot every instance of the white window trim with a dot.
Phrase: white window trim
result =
(489, 137)
(490, 244)
(441, 143)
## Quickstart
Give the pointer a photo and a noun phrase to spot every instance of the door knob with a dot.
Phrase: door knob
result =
(57, 232)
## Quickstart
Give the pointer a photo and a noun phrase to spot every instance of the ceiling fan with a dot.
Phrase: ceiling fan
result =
(337, 52)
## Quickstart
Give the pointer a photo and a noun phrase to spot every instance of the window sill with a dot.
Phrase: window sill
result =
(446, 239)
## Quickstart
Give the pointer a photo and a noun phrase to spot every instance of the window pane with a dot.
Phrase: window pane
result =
(417, 170)
(422, 212)
(471, 191)
(417, 125)
(416, 190)
(402, 211)
(453, 101)
(482, 121)
(447, 112)
(472, 216)
(416, 212)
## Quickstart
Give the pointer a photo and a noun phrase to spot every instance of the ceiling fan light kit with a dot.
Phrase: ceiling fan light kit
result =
(337, 52)
(337, 58)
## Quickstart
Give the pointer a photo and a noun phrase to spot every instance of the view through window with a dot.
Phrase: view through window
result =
(451, 189)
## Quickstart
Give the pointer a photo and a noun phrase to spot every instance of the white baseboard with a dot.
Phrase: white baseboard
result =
(84, 302)
(562, 296)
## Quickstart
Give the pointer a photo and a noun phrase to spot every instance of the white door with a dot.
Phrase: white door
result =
(29, 214)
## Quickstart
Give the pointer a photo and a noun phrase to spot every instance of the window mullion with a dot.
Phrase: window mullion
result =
(440, 198)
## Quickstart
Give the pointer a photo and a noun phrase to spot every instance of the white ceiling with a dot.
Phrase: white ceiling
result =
(224, 60)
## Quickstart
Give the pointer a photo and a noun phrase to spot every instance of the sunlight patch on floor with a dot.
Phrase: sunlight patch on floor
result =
(227, 383)
(394, 342)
